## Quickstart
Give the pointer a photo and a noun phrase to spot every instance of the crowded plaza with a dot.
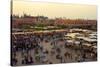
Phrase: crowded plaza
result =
(52, 47)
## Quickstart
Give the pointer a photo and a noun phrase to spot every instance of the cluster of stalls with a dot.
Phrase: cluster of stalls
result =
(84, 41)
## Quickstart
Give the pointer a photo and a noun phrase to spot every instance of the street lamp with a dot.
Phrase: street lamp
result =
(81, 50)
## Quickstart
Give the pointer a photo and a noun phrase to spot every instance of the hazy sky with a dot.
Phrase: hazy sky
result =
(52, 10)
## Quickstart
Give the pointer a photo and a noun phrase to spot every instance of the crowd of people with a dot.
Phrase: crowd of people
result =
(27, 49)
